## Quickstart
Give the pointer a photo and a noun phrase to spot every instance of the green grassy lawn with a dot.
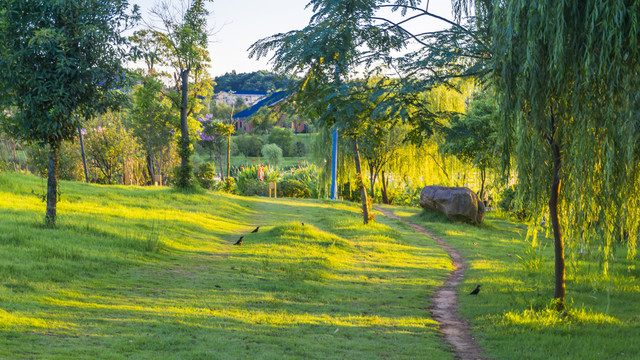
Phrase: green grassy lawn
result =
(147, 273)
(510, 317)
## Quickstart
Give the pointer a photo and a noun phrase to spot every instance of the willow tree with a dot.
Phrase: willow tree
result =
(567, 74)
(59, 59)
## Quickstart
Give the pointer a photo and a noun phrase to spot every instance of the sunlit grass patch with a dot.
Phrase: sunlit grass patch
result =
(28, 322)
(152, 273)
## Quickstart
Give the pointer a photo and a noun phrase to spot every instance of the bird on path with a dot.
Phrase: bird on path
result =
(475, 291)
(239, 242)
(256, 230)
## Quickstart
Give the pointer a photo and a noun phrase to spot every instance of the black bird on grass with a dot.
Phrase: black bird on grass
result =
(475, 291)
(239, 242)
(256, 230)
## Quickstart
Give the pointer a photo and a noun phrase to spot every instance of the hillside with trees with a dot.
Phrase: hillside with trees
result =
(254, 81)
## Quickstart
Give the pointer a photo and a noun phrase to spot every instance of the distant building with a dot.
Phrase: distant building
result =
(248, 97)
(242, 118)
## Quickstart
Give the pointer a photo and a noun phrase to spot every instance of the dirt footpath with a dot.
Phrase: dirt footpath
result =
(455, 331)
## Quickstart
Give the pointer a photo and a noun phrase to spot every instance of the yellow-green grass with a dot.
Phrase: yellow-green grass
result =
(511, 317)
(148, 273)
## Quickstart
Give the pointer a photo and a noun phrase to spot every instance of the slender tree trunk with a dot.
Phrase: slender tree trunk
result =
(483, 176)
(84, 158)
(150, 168)
(229, 155)
(185, 173)
(184, 128)
(363, 188)
(372, 176)
(555, 218)
(12, 149)
(385, 196)
(52, 184)
(220, 162)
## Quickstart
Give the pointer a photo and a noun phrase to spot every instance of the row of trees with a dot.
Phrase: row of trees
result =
(565, 76)
(63, 63)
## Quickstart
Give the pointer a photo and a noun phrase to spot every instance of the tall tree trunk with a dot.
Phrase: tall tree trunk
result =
(555, 219)
(84, 158)
(363, 188)
(220, 162)
(229, 155)
(184, 180)
(483, 176)
(52, 184)
(184, 128)
(385, 182)
(372, 176)
(150, 168)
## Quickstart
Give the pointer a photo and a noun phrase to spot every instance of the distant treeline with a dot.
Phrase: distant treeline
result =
(254, 81)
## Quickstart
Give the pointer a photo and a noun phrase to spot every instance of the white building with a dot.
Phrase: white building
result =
(248, 97)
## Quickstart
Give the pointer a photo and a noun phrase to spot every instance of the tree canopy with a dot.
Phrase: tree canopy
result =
(253, 81)
(183, 39)
(60, 62)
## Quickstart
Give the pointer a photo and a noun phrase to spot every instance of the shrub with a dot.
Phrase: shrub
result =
(300, 149)
(293, 188)
(273, 153)
(206, 175)
(300, 182)
(70, 161)
(509, 204)
(248, 183)
(249, 145)
(229, 185)
(284, 139)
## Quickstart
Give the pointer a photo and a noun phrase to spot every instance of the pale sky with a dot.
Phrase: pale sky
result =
(240, 23)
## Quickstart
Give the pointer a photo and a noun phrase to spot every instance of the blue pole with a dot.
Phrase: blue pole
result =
(334, 165)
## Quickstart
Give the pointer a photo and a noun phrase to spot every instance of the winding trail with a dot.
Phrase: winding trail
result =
(455, 330)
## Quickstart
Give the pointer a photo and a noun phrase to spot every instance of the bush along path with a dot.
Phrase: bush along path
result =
(455, 330)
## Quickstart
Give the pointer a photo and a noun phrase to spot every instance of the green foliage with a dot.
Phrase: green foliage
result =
(107, 144)
(62, 61)
(293, 188)
(300, 182)
(272, 153)
(472, 137)
(229, 185)
(566, 75)
(510, 204)
(264, 120)
(54, 69)
(249, 145)
(299, 149)
(70, 162)
(206, 175)
(153, 121)
(183, 175)
(181, 40)
(284, 139)
(254, 81)
(249, 184)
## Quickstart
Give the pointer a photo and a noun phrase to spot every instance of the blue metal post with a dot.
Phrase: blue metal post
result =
(334, 165)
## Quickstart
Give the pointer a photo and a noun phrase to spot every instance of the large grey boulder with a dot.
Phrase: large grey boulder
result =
(458, 203)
